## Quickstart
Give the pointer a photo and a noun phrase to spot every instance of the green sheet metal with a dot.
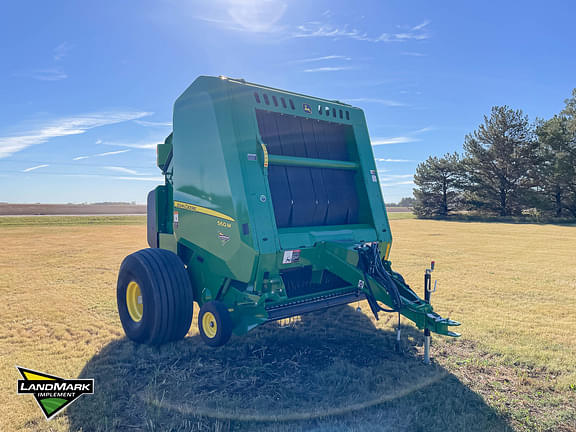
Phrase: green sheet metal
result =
(269, 194)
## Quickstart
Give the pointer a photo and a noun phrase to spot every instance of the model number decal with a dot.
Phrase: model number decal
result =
(223, 224)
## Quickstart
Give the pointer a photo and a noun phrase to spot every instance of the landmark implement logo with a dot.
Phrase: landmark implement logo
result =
(52, 393)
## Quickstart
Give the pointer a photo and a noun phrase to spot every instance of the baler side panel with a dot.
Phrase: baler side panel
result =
(204, 150)
(368, 170)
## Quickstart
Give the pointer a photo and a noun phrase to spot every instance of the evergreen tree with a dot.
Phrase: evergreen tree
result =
(407, 202)
(439, 182)
(501, 161)
(558, 171)
(570, 113)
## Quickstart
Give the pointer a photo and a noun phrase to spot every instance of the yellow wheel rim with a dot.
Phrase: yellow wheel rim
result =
(134, 301)
(209, 324)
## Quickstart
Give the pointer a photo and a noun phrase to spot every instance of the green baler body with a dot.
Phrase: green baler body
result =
(267, 195)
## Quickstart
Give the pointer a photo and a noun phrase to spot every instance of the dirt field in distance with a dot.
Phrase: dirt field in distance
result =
(7, 209)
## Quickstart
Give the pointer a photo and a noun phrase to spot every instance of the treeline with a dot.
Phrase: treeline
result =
(509, 167)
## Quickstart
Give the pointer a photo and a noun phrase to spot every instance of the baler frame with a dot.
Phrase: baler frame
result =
(254, 245)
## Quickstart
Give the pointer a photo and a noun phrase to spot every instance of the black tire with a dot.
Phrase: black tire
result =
(165, 303)
(221, 320)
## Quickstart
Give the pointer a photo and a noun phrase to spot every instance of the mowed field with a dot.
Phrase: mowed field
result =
(513, 287)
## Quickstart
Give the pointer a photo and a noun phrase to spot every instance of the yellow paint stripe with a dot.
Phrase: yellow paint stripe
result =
(203, 210)
(387, 251)
(265, 150)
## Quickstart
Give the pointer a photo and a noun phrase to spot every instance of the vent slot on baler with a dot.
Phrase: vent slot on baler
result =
(309, 196)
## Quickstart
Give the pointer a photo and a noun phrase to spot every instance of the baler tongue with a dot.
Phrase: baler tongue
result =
(362, 266)
(385, 285)
(441, 325)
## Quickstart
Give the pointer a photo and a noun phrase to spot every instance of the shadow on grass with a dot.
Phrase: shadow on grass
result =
(330, 371)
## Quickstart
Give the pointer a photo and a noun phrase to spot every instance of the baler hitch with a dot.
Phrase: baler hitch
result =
(399, 297)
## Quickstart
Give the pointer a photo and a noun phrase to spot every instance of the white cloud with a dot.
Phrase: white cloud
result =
(393, 140)
(401, 140)
(413, 54)
(111, 153)
(396, 176)
(35, 168)
(73, 125)
(387, 102)
(62, 51)
(136, 145)
(147, 123)
(121, 169)
(324, 58)
(263, 16)
(421, 26)
(424, 129)
(154, 179)
(315, 29)
(329, 69)
(397, 184)
(50, 74)
(393, 160)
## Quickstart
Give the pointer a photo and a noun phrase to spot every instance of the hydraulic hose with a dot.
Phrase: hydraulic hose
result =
(371, 264)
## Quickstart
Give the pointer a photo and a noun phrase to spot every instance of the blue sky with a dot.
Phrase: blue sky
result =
(87, 88)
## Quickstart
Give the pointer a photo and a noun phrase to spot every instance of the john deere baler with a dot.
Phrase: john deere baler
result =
(271, 208)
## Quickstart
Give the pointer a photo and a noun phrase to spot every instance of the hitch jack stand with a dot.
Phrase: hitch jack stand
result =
(398, 331)
(427, 291)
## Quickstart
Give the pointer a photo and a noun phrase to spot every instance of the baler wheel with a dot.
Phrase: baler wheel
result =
(215, 323)
(154, 297)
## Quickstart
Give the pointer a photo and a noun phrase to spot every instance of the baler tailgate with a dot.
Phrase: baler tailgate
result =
(304, 195)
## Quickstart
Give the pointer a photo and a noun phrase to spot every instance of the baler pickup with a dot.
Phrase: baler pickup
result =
(271, 208)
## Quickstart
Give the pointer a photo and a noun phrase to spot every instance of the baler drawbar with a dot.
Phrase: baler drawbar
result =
(271, 208)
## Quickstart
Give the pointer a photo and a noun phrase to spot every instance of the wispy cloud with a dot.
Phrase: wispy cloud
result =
(35, 168)
(393, 160)
(151, 144)
(62, 51)
(151, 179)
(316, 29)
(330, 69)
(397, 183)
(413, 54)
(323, 58)
(147, 123)
(50, 74)
(110, 153)
(396, 176)
(393, 140)
(387, 102)
(121, 169)
(154, 179)
(65, 126)
(408, 138)
(423, 130)
(263, 16)
(420, 26)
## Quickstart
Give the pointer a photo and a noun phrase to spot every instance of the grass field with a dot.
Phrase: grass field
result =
(512, 286)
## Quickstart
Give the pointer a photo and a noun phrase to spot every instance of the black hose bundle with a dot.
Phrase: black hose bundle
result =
(372, 266)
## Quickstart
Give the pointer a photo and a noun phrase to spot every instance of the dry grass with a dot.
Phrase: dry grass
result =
(512, 286)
